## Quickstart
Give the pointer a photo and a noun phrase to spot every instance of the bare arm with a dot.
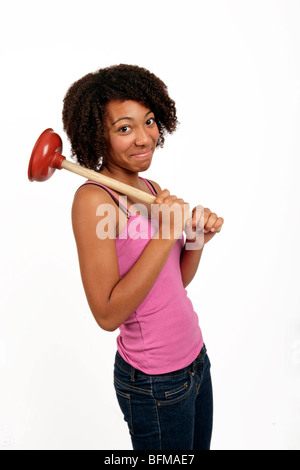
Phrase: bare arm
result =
(189, 263)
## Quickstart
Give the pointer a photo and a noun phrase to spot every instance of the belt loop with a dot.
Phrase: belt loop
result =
(192, 369)
(132, 374)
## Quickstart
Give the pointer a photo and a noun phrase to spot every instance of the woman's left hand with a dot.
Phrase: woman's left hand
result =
(205, 221)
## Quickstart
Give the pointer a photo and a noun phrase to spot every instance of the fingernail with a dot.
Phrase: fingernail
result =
(212, 229)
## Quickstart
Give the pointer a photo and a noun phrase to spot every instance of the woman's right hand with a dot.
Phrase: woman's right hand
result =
(171, 213)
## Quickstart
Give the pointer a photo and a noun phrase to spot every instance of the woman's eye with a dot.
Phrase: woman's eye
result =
(124, 129)
(150, 122)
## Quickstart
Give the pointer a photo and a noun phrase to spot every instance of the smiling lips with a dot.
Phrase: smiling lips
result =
(146, 154)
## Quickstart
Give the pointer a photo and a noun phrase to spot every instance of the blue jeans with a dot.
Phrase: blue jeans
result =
(171, 411)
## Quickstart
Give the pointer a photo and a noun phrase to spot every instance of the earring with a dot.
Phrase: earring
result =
(100, 163)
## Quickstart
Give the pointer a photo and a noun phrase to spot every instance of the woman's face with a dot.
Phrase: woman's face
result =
(131, 135)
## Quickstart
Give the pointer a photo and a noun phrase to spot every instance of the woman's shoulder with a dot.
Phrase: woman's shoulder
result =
(88, 197)
(155, 185)
(91, 192)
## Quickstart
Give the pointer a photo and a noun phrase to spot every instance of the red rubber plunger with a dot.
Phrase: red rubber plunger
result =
(45, 157)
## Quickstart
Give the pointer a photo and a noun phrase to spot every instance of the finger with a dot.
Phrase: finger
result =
(206, 215)
(218, 225)
(210, 221)
(161, 196)
(170, 199)
(198, 217)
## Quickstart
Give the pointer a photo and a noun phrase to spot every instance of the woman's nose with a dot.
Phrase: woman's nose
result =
(142, 137)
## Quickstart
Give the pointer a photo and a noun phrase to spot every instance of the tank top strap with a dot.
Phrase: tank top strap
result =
(150, 185)
(116, 200)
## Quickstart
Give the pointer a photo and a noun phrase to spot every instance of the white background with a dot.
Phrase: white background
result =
(233, 68)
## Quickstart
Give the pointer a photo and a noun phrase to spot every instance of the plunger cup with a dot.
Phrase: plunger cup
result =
(44, 161)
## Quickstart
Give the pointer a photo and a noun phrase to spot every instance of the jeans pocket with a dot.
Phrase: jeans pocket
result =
(174, 393)
(172, 389)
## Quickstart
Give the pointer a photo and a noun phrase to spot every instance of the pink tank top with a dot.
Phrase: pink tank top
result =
(163, 334)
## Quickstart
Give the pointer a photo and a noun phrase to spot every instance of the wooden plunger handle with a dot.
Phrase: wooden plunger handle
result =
(107, 181)
(111, 183)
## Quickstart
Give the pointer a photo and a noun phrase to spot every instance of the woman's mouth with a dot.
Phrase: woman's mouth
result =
(145, 154)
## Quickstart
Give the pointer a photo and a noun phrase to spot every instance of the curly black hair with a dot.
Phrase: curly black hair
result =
(84, 109)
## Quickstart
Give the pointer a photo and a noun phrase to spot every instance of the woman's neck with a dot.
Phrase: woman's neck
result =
(122, 175)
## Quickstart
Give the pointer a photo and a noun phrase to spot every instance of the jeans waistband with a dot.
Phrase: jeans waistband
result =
(133, 372)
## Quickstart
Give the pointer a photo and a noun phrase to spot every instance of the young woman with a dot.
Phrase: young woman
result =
(135, 280)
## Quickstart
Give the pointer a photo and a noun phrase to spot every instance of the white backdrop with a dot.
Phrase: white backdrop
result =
(233, 68)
